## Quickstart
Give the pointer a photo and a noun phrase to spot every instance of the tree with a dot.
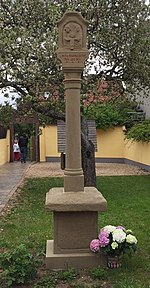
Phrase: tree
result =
(118, 38)
(28, 44)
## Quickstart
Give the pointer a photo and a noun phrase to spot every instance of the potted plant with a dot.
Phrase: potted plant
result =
(114, 241)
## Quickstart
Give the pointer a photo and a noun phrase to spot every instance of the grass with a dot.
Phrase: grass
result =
(128, 200)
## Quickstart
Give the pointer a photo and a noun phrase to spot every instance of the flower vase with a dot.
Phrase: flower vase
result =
(113, 262)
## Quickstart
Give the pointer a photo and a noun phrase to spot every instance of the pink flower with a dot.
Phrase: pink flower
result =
(95, 245)
(121, 227)
(109, 228)
(104, 241)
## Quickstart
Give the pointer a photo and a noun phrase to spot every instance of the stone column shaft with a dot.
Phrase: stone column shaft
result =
(73, 176)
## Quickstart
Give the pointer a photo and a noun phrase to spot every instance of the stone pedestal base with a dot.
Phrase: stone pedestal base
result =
(72, 260)
(75, 225)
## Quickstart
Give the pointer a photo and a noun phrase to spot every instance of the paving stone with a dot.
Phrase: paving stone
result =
(11, 175)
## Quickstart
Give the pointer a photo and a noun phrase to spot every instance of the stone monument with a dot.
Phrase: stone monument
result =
(75, 207)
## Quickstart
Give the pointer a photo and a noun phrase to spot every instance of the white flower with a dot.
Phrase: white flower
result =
(119, 235)
(109, 228)
(114, 245)
(131, 239)
(129, 231)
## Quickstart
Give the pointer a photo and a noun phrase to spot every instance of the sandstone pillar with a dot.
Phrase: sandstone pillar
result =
(74, 207)
(73, 52)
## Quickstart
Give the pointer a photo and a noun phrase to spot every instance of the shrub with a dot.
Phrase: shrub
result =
(48, 282)
(105, 115)
(140, 132)
(68, 275)
(112, 113)
(98, 273)
(19, 266)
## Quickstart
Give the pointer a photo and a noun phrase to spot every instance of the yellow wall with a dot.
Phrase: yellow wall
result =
(42, 145)
(110, 143)
(48, 142)
(5, 149)
(137, 151)
(8, 145)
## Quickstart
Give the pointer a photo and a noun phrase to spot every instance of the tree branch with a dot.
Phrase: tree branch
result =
(6, 83)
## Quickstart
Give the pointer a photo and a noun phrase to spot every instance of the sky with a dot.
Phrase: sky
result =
(9, 99)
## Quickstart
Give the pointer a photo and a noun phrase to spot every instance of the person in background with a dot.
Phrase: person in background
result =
(16, 150)
(23, 142)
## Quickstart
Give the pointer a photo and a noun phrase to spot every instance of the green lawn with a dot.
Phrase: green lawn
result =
(128, 200)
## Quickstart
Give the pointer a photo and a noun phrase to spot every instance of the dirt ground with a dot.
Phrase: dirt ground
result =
(48, 169)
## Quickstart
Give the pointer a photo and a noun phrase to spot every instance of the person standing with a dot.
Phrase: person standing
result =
(16, 150)
(23, 142)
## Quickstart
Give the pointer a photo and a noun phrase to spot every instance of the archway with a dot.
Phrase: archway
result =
(26, 121)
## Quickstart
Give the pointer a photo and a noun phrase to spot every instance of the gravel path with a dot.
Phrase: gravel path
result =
(48, 169)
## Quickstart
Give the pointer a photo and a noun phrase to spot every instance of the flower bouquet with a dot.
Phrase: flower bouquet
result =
(115, 241)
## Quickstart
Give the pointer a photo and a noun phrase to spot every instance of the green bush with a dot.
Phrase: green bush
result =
(19, 266)
(68, 275)
(112, 113)
(105, 115)
(140, 132)
(98, 273)
(48, 282)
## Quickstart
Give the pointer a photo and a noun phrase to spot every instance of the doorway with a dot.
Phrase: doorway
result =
(30, 127)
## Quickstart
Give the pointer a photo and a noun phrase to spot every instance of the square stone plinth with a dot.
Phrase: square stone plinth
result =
(88, 200)
(75, 225)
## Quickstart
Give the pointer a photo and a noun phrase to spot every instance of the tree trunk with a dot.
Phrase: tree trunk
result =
(88, 157)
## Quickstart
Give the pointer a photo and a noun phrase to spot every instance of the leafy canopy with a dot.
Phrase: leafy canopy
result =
(118, 37)
(140, 132)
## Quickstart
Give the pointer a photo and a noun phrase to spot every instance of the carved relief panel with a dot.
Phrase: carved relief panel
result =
(72, 36)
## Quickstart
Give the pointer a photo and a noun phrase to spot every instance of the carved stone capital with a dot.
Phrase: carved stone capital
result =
(72, 51)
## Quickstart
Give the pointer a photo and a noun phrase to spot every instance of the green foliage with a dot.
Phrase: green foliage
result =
(29, 208)
(33, 42)
(27, 128)
(51, 110)
(140, 132)
(117, 37)
(19, 266)
(130, 283)
(76, 285)
(47, 282)
(5, 115)
(105, 115)
(99, 273)
(111, 113)
(68, 275)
